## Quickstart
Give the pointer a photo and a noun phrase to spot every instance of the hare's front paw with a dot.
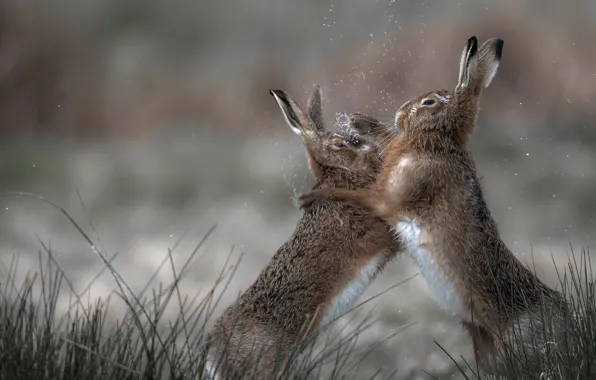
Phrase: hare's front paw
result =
(308, 199)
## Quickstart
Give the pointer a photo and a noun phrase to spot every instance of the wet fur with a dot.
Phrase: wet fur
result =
(429, 192)
(334, 253)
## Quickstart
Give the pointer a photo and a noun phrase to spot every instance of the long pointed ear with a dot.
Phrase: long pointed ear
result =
(295, 117)
(315, 111)
(368, 125)
(484, 68)
(478, 73)
(489, 58)
(304, 125)
(467, 63)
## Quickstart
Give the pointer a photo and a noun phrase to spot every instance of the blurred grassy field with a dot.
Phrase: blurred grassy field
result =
(156, 117)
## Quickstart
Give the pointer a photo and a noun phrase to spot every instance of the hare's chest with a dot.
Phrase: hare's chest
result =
(436, 277)
(354, 289)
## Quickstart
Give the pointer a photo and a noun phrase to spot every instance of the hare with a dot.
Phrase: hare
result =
(429, 192)
(335, 252)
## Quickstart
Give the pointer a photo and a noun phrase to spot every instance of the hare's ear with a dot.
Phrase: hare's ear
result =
(292, 112)
(368, 125)
(315, 111)
(489, 57)
(467, 63)
(304, 125)
(365, 124)
(482, 68)
(476, 73)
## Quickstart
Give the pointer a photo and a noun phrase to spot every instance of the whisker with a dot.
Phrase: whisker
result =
(391, 139)
(387, 140)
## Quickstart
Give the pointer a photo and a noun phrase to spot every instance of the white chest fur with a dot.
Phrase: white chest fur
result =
(354, 289)
(438, 284)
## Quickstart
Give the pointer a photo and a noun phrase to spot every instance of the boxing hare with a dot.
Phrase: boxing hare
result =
(334, 253)
(429, 192)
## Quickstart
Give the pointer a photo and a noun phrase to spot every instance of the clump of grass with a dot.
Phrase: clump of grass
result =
(37, 342)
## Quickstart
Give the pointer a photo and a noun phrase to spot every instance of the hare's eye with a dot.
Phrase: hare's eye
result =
(428, 102)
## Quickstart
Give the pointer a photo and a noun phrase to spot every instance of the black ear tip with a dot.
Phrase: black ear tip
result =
(472, 45)
(499, 48)
(279, 94)
(472, 41)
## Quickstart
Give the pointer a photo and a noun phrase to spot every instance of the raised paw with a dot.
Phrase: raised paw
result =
(308, 199)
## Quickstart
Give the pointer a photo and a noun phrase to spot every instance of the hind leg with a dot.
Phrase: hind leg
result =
(493, 353)
(520, 348)
(533, 338)
(485, 348)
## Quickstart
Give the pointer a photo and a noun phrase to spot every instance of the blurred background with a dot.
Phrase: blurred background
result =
(150, 121)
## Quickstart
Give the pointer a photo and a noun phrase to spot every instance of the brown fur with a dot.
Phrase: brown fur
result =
(329, 247)
(429, 180)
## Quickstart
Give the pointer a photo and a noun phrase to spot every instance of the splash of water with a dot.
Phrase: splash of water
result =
(342, 123)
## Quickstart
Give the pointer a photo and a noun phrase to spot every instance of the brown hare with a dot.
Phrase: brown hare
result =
(335, 252)
(429, 192)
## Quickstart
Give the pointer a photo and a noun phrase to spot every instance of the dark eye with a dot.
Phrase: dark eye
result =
(340, 145)
(428, 102)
